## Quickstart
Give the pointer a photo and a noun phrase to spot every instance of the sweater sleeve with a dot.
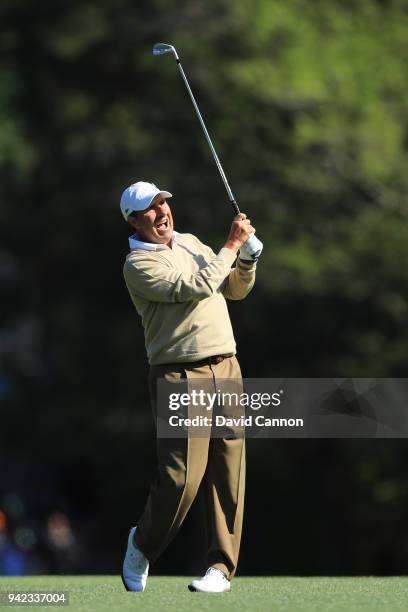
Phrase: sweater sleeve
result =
(153, 280)
(240, 280)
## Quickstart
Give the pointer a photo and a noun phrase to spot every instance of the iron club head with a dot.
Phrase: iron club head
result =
(162, 48)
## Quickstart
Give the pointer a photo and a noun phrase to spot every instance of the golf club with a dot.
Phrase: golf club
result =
(253, 246)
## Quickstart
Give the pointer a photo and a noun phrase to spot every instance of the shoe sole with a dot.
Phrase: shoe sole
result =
(130, 590)
(194, 590)
(124, 583)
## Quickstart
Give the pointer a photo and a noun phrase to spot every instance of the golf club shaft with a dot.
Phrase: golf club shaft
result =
(215, 156)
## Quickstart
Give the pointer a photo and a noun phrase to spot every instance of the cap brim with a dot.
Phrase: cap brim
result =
(165, 194)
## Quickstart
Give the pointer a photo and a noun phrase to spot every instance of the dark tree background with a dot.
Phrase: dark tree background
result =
(307, 104)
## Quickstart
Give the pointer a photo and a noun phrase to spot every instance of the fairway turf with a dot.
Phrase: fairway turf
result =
(106, 593)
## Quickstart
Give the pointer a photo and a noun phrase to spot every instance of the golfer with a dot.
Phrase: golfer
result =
(179, 287)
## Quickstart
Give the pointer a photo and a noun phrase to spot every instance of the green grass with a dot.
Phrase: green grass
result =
(260, 594)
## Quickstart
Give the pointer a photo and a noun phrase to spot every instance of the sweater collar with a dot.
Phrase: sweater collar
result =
(136, 243)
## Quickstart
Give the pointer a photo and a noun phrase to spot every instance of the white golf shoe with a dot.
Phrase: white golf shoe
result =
(135, 566)
(214, 581)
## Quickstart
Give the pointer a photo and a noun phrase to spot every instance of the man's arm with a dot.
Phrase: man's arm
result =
(240, 280)
(155, 281)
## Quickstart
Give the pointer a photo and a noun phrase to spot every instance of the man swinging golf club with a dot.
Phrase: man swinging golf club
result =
(179, 287)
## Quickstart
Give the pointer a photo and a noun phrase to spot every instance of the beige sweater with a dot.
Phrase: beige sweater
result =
(180, 293)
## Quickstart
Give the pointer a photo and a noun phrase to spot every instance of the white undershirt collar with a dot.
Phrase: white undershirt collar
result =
(135, 243)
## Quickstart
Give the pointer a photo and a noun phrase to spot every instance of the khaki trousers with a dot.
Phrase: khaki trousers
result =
(182, 464)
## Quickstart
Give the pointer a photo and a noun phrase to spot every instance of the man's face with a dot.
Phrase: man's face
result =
(155, 224)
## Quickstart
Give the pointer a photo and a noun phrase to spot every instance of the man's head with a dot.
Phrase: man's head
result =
(146, 209)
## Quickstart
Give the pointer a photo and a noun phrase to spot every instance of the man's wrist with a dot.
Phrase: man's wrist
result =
(230, 244)
(246, 263)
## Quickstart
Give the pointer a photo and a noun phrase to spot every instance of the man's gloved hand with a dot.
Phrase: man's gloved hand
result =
(251, 249)
(242, 239)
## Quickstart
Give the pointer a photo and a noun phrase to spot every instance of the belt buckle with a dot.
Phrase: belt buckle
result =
(217, 359)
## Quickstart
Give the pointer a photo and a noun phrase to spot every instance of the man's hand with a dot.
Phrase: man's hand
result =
(252, 249)
(240, 231)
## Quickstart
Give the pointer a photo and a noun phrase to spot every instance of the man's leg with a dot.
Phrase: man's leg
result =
(225, 490)
(181, 466)
(225, 485)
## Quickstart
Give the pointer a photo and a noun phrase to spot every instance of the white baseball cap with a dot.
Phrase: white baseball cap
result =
(139, 196)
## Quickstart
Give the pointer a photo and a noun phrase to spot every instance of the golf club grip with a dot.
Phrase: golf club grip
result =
(235, 207)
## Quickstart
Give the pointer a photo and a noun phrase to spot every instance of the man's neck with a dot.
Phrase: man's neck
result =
(137, 242)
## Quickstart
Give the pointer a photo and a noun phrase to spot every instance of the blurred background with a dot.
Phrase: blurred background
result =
(307, 104)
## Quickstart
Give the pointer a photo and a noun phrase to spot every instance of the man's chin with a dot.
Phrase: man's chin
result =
(163, 238)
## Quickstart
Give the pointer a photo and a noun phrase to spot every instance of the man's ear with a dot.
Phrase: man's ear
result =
(133, 222)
